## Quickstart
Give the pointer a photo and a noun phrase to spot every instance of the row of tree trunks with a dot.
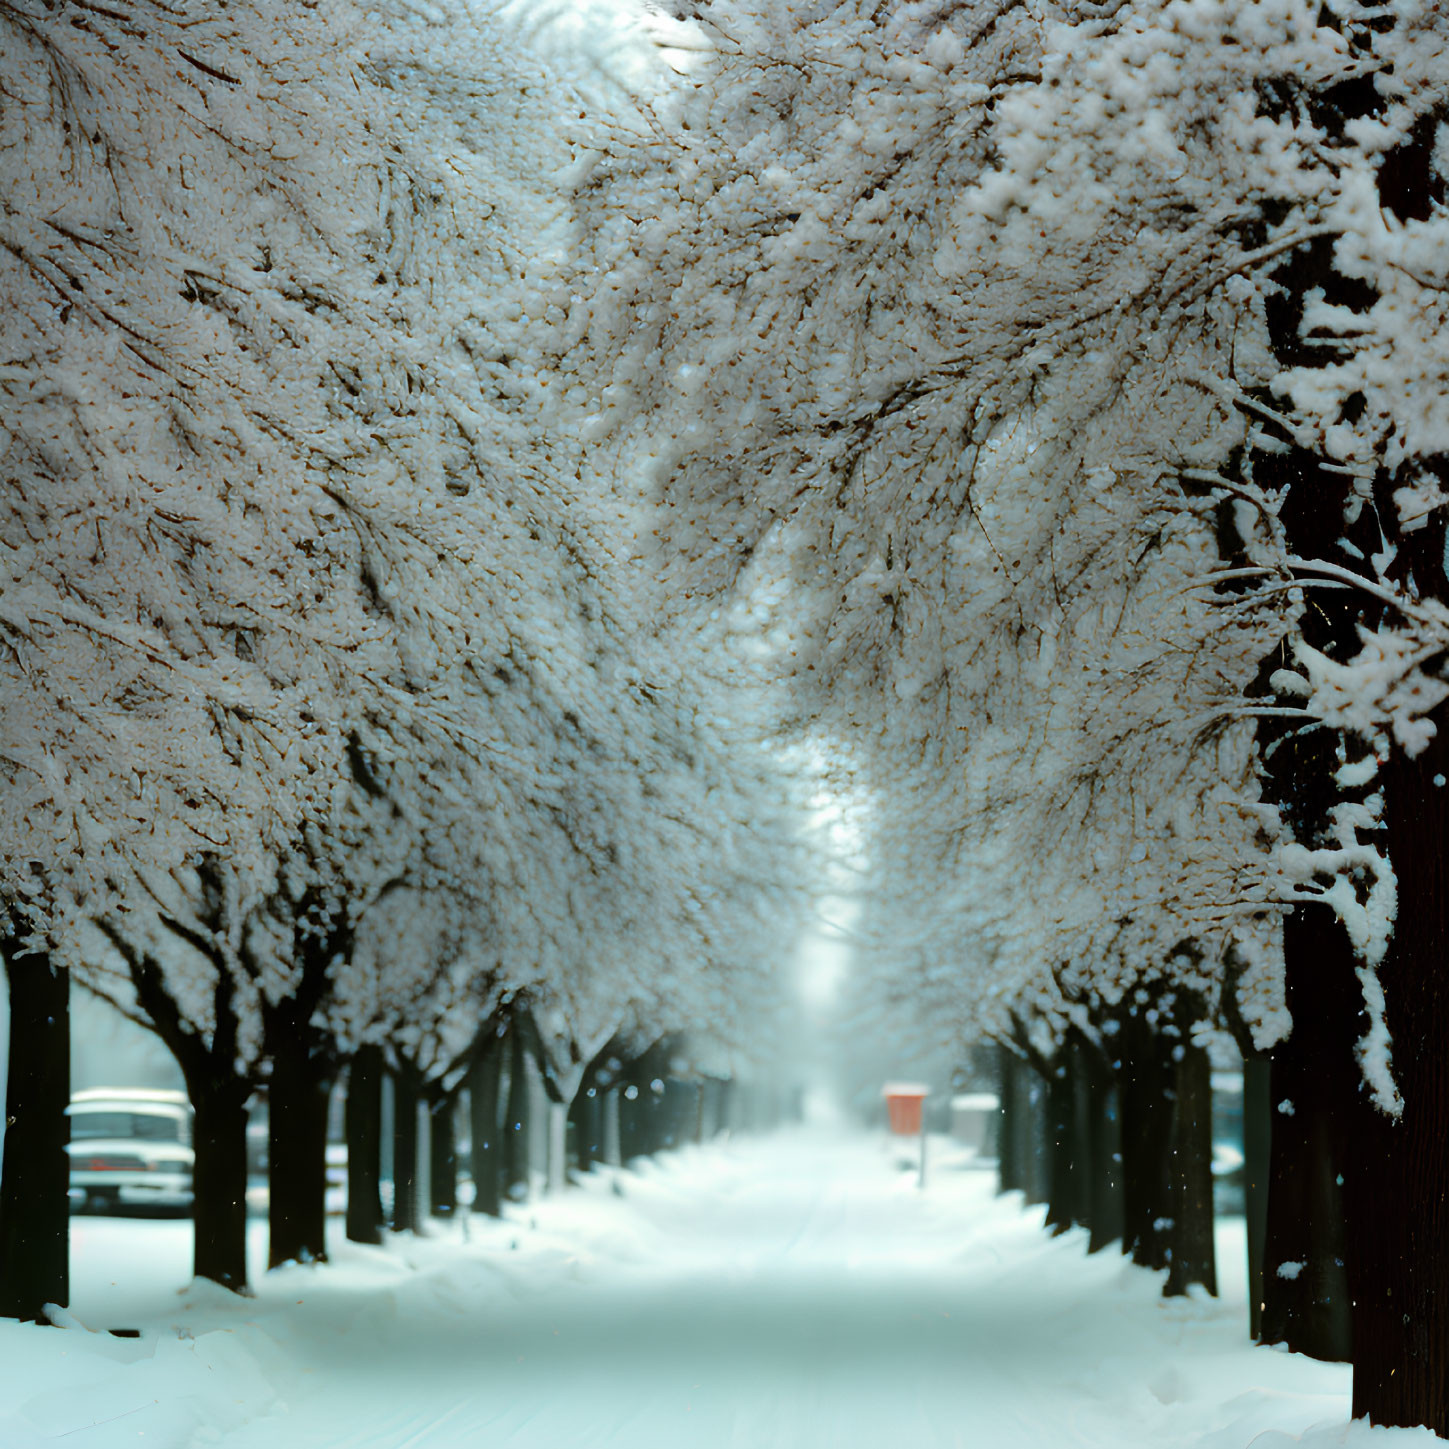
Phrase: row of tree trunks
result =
(34, 1205)
(1021, 1134)
(1116, 1136)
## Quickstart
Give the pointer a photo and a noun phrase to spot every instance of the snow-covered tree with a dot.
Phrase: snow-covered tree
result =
(297, 522)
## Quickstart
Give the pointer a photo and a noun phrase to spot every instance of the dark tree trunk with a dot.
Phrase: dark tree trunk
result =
(1064, 1167)
(1031, 1135)
(686, 1115)
(708, 1109)
(1192, 1254)
(1079, 1054)
(515, 1120)
(297, 1100)
(220, 1182)
(442, 1154)
(217, 1090)
(1397, 1178)
(1257, 1137)
(1011, 1174)
(1312, 1074)
(405, 1099)
(1257, 1147)
(364, 1146)
(588, 1125)
(1145, 1093)
(586, 1114)
(634, 1104)
(675, 1109)
(727, 1105)
(484, 1080)
(304, 1064)
(1399, 1168)
(1098, 1100)
(34, 1194)
(646, 1112)
(631, 1124)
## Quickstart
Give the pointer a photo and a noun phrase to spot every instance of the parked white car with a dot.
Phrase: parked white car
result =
(130, 1147)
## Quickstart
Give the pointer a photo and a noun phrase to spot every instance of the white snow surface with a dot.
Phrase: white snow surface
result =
(794, 1290)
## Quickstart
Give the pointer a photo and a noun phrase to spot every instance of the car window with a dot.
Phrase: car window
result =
(147, 1126)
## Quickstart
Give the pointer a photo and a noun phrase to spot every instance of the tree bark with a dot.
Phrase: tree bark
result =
(1010, 1169)
(709, 1099)
(218, 1095)
(1397, 1172)
(1145, 1092)
(1305, 1278)
(729, 1107)
(588, 1122)
(1064, 1168)
(484, 1083)
(1399, 1168)
(1192, 1252)
(586, 1109)
(1098, 1100)
(364, 1146)
(297, 1101)
(631, 1123)
(220, 1182)
(442, 1154)
(667, 1105)
(34, 1193)
(516, 1120)
(405, 1099)
(1031, 1135)
(1257, 1139)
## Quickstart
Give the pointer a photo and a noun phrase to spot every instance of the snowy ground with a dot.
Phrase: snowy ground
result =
(775, 1293)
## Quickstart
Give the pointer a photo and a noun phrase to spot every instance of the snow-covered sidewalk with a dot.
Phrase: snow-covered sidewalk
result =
(791, 1291)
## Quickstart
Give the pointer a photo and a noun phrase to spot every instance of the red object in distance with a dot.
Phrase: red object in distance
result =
(904, 1102)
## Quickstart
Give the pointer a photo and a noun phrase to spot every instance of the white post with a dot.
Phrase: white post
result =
(921, 1182)
(613, 1154)
(558, 1122)
(538, 1130)
(423, 1183)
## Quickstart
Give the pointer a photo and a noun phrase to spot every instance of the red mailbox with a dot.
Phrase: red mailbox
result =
(904, 1103)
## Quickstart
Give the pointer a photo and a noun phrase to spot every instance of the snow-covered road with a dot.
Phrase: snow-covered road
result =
(778, 1293)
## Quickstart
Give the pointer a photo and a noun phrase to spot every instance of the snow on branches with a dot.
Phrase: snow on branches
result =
(445, 457)
(304, 577)
(926, 329)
